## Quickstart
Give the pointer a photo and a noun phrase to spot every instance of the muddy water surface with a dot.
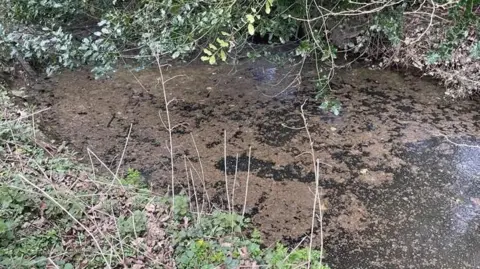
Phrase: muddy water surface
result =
(400, 171)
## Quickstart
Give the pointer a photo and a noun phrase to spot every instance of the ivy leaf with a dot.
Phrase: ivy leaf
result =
(250, 18)
(212, 60)
(223, 56)
(209, 53)
(212, 47)
(204, 58)
(251, 29)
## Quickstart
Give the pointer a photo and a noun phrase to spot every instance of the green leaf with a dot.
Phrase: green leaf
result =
(433, 58)
(212, 60)
(475, 51)
(105, 31)
(250, 18)
(204, 58)
(335, 110)
(223, 56)
(251, 29)
(222, 43)
(212, 47)
(267, 7)
(209, 53)
(225, 33)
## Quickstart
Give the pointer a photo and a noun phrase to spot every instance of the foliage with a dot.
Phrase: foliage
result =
(282, 257)
(221, 240)
(389, 24)
(101, 34)
(133, 178)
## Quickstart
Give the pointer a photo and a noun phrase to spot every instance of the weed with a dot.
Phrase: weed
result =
(136, 224)
(322, 88)
(133, 178)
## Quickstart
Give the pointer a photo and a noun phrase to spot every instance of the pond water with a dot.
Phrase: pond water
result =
(400, 171)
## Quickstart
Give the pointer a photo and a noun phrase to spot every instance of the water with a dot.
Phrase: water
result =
(401, 164)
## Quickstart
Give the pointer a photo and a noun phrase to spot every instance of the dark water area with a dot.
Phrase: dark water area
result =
(400, 172)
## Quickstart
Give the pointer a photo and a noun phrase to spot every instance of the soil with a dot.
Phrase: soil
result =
(400, 166)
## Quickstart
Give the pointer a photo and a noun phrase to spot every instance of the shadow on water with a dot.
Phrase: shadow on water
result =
(401, 165)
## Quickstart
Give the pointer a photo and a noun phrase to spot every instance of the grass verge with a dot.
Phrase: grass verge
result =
(57, 213)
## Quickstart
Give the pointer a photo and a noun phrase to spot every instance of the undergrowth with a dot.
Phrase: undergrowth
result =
(57, 213)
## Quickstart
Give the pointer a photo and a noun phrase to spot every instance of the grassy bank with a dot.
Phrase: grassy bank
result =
(58, 213)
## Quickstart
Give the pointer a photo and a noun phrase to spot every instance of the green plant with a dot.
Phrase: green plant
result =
(333, 106)
(389, 23)
(463, 18)
(322, 88)
(281, 257)
(134, 225)
(215, 240)
(133, 178)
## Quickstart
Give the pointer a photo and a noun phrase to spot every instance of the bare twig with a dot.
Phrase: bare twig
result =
(225, 164)
(169, 129)
(201, 169)
(317, 178)
(27, 116)
(246, 184)
(124, 150)
(195, 195)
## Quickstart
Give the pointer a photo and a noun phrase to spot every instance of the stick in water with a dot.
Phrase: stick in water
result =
(248, 176)
(225, 162)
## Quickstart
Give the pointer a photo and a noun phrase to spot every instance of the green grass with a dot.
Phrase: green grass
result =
(55, 213)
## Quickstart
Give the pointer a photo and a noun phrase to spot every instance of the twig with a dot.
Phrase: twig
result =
(246, 185)
(201, 169)
(188, 182)
(27, 116)
(320, 218)
(195, 195)
(233, 187)
(234, 182)
(317, 178)
(169, 129)
(124, 150)
(108, 169)
(225, 165)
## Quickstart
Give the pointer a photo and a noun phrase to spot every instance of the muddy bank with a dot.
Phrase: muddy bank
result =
(401, 174)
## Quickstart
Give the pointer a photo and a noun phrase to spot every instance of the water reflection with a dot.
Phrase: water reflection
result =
(466, 164)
